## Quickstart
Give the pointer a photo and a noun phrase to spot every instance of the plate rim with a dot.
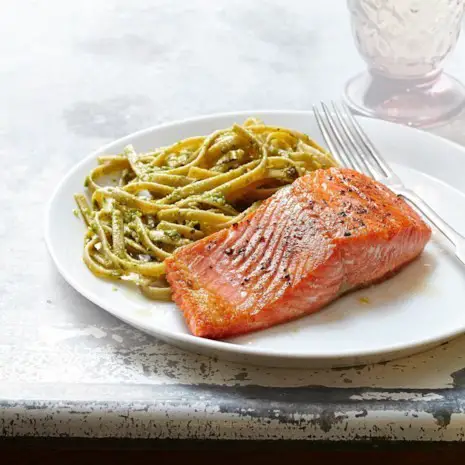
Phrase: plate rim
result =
(223, 345)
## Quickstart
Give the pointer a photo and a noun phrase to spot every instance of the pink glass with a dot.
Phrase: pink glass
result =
(405, 43)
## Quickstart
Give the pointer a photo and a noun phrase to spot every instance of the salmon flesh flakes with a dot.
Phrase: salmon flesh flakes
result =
(330, 232)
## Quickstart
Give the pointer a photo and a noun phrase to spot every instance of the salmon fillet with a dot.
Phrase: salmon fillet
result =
(329, 232)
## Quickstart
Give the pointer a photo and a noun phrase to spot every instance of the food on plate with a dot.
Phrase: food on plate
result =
(147, 205)
(330, 232)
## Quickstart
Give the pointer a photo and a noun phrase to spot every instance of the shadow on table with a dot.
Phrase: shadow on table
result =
(454, 130)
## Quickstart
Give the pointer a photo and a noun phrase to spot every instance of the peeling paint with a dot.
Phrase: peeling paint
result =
(161, 420)
(442, 417)
(458, 378)
(327, 419)
(387, 395)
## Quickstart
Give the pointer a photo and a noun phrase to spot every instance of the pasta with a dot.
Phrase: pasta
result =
(146, 205)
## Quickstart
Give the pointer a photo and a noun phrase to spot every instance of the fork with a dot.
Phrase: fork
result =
(352, 148)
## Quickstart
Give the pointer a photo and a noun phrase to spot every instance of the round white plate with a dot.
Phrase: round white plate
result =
(420, 307)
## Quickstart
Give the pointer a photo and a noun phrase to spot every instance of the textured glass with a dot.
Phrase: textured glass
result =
(405, 38)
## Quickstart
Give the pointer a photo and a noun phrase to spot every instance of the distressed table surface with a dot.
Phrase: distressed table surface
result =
(76, 75)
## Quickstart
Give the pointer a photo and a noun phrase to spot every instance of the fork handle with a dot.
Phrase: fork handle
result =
(446, 229)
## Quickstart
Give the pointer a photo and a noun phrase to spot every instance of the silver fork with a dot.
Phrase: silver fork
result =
(352, 148)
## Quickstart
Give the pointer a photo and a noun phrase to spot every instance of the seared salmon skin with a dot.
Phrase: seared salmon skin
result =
(329, 232)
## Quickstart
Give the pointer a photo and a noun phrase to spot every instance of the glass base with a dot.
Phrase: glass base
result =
(412, 102)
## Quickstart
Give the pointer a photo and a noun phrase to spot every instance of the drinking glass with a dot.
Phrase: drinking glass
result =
(404, 43)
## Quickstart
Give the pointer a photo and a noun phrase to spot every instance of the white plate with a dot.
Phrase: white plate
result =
(418, 308)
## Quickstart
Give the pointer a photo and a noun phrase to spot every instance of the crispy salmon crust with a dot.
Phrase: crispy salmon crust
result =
(328, 233)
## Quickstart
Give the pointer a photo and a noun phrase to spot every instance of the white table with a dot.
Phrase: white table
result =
(76, 75)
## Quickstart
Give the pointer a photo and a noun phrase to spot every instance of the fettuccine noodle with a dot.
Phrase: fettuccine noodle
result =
(170, 197)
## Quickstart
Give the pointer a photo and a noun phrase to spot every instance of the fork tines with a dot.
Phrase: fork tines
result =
(348, 142)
